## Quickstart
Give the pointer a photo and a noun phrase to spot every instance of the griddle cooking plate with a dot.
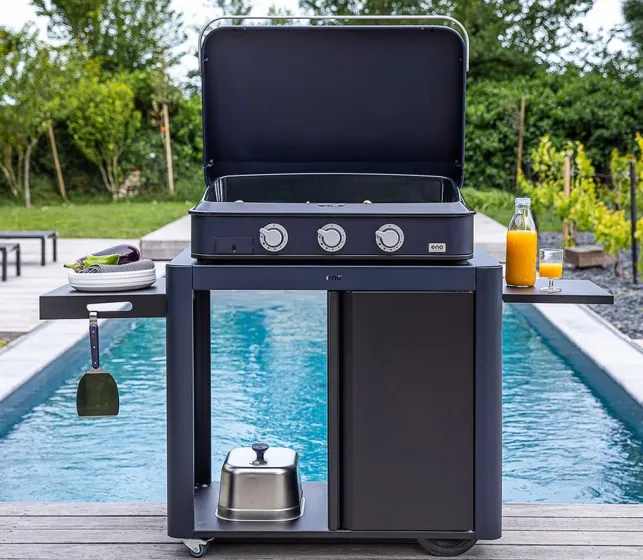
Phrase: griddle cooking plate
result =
(331, 188)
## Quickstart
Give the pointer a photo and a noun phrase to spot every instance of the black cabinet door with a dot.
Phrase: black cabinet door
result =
(405, 414)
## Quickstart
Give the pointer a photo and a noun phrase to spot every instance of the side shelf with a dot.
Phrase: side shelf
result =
(67, 303)
(573, 291)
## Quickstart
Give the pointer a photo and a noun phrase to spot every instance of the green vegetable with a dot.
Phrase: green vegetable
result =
(103, 259)
(76, 266)
(90, 260)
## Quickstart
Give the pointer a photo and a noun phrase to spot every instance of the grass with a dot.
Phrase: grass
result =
(499, 205)
(99, 220)
(133, 219)
(547, 221)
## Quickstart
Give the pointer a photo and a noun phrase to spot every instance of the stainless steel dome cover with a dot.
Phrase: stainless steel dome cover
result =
(260, 483)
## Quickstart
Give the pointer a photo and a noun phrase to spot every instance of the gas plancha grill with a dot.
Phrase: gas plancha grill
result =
(342, 143)
(341, 216)
(305, 124)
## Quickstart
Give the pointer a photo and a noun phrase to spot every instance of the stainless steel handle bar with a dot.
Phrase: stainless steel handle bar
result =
(340, 18)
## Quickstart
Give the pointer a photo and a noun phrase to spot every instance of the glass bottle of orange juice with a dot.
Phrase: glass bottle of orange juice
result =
(522, 246)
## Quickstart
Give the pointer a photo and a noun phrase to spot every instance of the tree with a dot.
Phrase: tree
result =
(11, 152)
(31, 74)
(633, 14)
(125, 35)
(507, 36)
(233, 8)
(36, 81)
(589, 207)
(602, 112)
(188, 135)
(103, 125)
(57, 72)
(278, 11)
(164, 94)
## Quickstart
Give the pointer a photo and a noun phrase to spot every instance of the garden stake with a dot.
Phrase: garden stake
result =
(633, 220)
(567, 179)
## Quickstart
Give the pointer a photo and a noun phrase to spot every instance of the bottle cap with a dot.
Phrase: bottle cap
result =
(526, 201)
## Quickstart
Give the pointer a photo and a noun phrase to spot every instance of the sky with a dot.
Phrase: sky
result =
(15, 13)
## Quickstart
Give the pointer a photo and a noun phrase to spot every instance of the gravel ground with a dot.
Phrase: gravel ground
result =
(6, 338)
(627, 312)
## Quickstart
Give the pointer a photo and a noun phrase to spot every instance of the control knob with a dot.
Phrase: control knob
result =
(389, 238)
(273, 237)
(331, 237)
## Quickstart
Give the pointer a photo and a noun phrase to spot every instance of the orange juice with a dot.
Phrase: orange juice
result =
(551, 270)
(522, 247)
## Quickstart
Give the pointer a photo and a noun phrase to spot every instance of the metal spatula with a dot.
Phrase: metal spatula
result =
(97, 393)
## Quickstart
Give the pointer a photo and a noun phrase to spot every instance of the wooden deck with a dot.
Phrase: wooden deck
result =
(83, 531)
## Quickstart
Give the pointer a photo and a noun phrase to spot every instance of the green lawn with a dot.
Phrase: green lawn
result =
(548, 221)
(123, 220)
(135, 219)
(499, 205)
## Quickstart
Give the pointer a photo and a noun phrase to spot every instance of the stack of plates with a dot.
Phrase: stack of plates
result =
(112, 281)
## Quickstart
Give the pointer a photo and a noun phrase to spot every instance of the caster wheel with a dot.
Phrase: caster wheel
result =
(198, 548)
(446, 547)
(199, 551)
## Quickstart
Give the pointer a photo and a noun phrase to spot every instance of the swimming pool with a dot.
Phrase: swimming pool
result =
(269, 383)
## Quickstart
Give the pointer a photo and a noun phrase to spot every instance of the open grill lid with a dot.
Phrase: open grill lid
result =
(333, 99)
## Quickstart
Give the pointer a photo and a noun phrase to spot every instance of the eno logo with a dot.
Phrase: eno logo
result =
(437, 247)
(333, 277)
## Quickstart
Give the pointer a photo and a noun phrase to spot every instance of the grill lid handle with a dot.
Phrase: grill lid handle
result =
(260, 449)
(453, 21)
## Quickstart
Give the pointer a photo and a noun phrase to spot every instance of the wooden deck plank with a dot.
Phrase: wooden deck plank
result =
(75, 509)
(71, 535)
(308, 552)
(617, 524)
(119, 531)
(149, 509)
(104, 523)
(157, 523)
(572, 510)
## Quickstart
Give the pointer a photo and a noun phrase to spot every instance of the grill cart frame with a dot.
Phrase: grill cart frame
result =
(192, 497)
(183, 298)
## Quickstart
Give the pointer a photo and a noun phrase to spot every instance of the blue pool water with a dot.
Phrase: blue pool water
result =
(269, 383)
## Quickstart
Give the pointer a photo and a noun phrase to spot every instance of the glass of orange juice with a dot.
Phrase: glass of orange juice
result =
(551, 267)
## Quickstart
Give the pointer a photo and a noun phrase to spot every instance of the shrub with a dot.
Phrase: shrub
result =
(487, 200)
(601, 112)
(103, 124)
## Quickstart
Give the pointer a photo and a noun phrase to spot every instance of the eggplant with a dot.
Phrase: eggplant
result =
(126, 254)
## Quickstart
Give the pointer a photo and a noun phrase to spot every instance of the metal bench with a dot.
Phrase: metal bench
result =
(7, 248)
(42, 235)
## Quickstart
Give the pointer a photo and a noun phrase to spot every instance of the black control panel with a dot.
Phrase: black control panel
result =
(332, 236)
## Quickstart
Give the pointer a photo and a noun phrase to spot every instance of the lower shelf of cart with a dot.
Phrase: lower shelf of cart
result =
(313, 524)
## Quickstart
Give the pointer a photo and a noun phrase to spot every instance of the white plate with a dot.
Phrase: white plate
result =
(112, 281)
